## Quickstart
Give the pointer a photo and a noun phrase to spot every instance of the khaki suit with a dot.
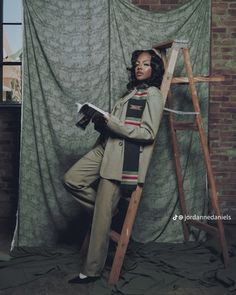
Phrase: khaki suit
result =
(112, 162)
(105, 163)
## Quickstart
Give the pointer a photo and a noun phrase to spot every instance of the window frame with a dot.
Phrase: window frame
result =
(6, 63)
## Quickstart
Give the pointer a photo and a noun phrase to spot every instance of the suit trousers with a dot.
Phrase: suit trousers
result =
(102, 199)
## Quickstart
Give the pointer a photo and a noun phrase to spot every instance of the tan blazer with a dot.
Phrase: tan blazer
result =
(112, 163)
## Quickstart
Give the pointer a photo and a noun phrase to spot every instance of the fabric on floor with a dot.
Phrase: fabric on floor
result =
(149, 269)
(29, 264)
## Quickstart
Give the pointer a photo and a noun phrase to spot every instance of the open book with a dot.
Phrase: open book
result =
(86, 112)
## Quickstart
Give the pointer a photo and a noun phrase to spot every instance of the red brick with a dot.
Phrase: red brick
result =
(157, 7)
(145, 7)
(220, 157)
(169, 2)
(230, 23)
(221, 98)
(144, 2)
(220, 5)
(215, 107)
(219, 30)
(218, 11)
(225, 49)
(232, 12)
(229, 1)
(230, 104)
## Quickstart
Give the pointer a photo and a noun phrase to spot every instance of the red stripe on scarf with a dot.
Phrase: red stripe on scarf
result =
(132, 123)
(141, 94)
(129, 177)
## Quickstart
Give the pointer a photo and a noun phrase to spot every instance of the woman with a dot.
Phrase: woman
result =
(120, 160)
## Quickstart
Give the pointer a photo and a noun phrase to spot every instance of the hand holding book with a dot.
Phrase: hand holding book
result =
(89, 112)
(100, 123)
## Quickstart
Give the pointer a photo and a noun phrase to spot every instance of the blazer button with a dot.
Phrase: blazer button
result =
(120, 143)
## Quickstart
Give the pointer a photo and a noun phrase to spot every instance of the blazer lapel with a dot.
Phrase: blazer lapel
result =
(124, 99)
(128, 96)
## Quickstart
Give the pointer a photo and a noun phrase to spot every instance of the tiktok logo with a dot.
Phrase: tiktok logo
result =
(179, 217)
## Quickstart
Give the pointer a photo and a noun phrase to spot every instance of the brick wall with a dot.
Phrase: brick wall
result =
(222, 116)
(222, 108)
(9, 165)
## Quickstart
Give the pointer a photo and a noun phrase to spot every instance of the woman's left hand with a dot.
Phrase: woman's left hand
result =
(100, 122)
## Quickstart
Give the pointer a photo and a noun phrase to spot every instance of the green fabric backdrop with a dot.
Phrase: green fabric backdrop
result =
(78, 51)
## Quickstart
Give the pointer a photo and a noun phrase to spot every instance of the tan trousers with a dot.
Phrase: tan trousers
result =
(79, 180)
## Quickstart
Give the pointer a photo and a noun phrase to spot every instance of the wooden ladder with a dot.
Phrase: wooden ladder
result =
(122, 239)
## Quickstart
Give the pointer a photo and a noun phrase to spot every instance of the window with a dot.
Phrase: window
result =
(11, 51)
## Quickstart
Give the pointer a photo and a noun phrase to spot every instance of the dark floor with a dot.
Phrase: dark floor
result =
(56, 283)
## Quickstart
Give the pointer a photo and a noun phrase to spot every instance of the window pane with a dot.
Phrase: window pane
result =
(11, 83)
(12, 41)
(12, 11)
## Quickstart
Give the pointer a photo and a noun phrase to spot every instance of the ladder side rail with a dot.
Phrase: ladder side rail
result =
(178, 169)
(167, 78)
(179, 176)
(125, 235)
(204, 145)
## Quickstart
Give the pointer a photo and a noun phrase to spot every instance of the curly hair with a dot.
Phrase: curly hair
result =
(157, 71)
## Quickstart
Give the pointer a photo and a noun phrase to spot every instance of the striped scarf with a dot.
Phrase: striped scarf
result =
(133, 118)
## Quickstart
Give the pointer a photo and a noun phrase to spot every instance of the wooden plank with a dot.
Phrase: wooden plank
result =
(114, 236)
(177, 43)
(163, 45)
(165, 86)
(185, 80)
(204, 145)
(125, 236)
(182, 125)
(178, 171)
(204, 226)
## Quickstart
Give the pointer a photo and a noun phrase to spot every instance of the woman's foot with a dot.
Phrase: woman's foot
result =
(82, 279)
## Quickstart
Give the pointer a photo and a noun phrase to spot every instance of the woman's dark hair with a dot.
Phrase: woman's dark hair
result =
(157, 70)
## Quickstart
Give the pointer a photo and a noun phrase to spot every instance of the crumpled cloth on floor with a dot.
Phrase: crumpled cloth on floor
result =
(162, 268)
(29, 264)
(149, 269)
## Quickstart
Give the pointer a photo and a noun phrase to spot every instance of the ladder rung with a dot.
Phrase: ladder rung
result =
(181, 125)
(114, 236)
(163, 45)
(179, 43)
(184, 80)
(204, 226)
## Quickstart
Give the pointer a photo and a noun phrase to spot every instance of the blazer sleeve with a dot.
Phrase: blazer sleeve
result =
(151, 118)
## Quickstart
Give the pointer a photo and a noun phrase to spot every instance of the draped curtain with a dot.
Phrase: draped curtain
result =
(78, 51)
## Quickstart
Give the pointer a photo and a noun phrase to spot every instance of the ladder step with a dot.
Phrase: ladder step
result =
(181, 125)
(185, 80)
(204, 226)
(178, 43)
(114, 236)
(163, 45)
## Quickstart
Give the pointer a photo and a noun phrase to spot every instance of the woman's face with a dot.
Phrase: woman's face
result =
(143, 69)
